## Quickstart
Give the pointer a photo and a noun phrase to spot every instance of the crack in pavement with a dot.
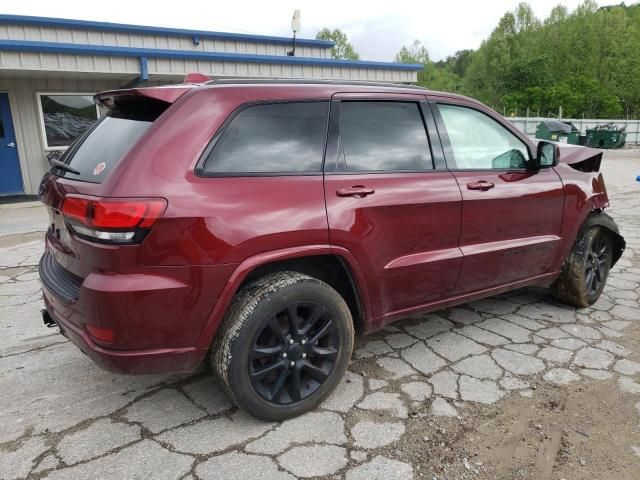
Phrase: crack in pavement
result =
(454, 362)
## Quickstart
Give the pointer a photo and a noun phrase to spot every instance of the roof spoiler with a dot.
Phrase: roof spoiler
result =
(166, 93)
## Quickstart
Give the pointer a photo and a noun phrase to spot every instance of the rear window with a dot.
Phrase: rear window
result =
(96, 153)
(272, 138)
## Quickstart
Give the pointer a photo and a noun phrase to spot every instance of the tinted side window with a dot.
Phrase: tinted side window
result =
(379, 136)
(479, 142)
(272, 138)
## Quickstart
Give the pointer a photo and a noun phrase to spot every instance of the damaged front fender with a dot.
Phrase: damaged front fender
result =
(606, 222)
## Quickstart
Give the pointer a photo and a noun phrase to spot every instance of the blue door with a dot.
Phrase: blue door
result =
(10, 176)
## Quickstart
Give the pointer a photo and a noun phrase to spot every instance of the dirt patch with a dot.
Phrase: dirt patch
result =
(582, 431)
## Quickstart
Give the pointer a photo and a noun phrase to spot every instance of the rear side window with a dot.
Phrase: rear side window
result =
(272, 138)
(383, 136)
(104, 145)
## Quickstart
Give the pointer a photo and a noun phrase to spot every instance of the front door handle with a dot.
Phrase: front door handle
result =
(481, 185)
(11, 145)
(357, 191)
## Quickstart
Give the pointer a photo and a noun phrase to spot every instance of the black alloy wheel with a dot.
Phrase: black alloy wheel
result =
(597, 264)
(294, 353)
(584, 273)
(283, 345)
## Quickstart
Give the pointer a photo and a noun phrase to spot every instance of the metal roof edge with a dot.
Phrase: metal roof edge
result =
(77, 49)
(123, 27)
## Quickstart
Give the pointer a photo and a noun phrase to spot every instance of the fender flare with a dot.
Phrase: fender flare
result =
(601, 219)
(243, 269)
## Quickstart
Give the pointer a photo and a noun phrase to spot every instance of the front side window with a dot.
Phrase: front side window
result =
(272, 138)
(65, 117)
(383, 136)
(479, 142)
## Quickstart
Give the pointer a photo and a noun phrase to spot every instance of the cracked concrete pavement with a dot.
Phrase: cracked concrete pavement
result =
(62, 417)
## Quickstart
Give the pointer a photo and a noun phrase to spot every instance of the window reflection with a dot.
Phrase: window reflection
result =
(387, 136)
(285, 137)
(479, 142)
(66, 117)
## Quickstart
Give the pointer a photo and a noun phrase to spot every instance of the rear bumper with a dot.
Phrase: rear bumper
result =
(166, 360)
(153, 319)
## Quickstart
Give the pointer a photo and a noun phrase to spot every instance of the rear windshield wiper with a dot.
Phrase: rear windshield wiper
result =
(63, 166)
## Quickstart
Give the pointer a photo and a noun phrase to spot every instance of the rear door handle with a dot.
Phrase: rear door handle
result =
(481, 185)
(357, 191)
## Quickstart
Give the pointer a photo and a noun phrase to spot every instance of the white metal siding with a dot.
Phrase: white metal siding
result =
(129, 67)
(160, 41)
(62, 62)
(177, 67)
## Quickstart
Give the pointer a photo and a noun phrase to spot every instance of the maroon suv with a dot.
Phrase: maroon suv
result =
(258, 224)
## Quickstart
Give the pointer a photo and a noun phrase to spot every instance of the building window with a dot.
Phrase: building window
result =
(64, 117)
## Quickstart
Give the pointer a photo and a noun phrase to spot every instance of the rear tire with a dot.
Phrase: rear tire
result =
(284, 345)
(585, 273)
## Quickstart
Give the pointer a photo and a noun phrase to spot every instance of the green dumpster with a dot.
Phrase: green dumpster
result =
(606, 136)
(557, 131)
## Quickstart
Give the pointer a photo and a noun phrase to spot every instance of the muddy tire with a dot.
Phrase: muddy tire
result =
(283, 346)
(586, 270)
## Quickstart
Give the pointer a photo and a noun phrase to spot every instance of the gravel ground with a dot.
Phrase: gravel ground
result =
(514, 386)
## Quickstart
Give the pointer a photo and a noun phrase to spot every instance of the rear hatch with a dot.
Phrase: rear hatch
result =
(85, 225)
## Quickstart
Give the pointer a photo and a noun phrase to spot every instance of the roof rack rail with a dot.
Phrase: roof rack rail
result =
(293, 81)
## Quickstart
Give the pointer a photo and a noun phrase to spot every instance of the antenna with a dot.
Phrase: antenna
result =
(295, 26)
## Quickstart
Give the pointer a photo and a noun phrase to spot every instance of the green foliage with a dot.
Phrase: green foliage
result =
(586, 62)
(414, 53)
(435, 78)
(342, 49)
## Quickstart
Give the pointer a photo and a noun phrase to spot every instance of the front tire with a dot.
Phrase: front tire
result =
(284, 345)
(585, 273)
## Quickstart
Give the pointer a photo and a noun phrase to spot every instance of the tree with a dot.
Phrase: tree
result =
(558, 14)
(342, 49)
(586, 61)
(414, 53)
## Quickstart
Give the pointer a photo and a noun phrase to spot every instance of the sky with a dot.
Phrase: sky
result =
(377, 29)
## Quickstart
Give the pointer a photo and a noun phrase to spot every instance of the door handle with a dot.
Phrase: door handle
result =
(357, 191)
(11, 145)
(481, 185)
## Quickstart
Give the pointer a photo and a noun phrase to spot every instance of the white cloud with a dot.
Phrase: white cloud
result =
(378, 29)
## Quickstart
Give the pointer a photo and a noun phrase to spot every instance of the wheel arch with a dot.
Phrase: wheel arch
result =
(336, 267)
(602, 220)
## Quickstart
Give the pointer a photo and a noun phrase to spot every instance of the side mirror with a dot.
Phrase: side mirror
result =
(547, 155)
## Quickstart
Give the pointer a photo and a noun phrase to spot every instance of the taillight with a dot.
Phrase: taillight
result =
(118, 220)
